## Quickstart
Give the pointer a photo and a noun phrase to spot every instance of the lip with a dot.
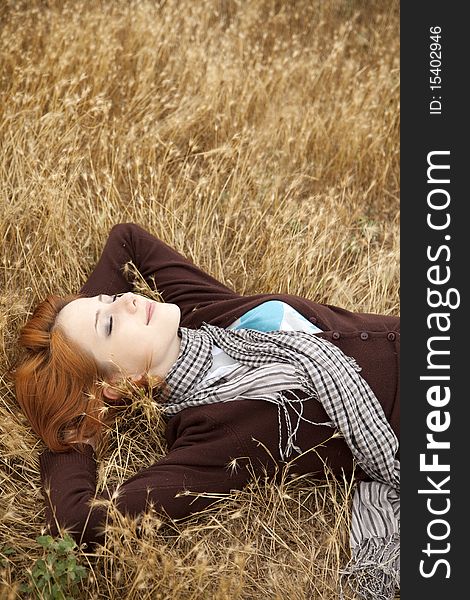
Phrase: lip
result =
(149, 309)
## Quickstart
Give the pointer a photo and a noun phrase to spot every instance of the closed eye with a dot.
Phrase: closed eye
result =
(110, 325)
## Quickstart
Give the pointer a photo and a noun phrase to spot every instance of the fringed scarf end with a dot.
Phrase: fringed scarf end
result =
(374, 569)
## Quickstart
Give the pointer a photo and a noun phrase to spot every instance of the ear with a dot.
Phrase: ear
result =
(113, 394)
(138, 378)
(110, 393)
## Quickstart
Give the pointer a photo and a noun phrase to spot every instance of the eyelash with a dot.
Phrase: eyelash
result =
(110, 324)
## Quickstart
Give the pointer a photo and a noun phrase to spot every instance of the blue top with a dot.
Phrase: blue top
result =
(274, 315)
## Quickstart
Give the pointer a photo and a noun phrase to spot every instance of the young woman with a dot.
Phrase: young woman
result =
(236, 383)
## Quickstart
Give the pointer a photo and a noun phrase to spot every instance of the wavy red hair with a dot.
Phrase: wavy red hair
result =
(57, 384)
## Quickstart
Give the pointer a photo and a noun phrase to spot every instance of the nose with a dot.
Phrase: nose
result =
(128, 302)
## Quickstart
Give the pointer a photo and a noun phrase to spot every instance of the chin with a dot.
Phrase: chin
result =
(175, 309)
(171, 312)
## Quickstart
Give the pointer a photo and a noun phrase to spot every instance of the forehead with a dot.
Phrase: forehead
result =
(77, 313)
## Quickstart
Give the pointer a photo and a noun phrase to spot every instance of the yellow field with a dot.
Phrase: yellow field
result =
(259, 138)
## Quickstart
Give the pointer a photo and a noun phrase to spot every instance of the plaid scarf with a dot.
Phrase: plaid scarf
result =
(271, 364)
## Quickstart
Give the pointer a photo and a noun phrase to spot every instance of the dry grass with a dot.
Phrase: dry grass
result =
(259, 138)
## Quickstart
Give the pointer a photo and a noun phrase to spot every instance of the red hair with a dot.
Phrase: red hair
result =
(57, 384)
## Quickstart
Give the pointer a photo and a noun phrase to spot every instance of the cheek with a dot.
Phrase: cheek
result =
(138, 354)
(107, 358)
(114, 353)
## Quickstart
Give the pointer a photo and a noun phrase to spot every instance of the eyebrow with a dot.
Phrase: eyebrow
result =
(97, 312)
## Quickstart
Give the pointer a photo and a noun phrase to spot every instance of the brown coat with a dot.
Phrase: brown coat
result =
(203, 440)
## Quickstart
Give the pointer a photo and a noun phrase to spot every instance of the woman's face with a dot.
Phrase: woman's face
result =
(128, 334)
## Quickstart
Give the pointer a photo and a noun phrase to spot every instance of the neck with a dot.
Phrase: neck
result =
(171, 357)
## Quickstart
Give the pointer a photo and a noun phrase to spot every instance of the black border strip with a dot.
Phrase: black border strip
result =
(434, 272)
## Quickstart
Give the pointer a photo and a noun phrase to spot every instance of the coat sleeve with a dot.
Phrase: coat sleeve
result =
(197, 463)
(176, 278)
